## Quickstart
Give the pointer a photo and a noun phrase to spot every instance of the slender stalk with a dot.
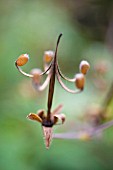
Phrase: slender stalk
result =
(22, 72)
(52, 81)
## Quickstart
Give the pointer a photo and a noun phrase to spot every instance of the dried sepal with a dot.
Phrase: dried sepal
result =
(55, 120)
(59, 117)
(41, 114)
(79, 81)
(57, 110)
(84, 67)
(33, 116)
(22, 59)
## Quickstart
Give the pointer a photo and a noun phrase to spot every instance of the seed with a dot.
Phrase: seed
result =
(79, 81)
(22, 59)
(84, 67)
(48, 56)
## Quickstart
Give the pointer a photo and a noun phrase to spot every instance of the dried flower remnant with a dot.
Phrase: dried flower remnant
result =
(47, 125)
(52, 69)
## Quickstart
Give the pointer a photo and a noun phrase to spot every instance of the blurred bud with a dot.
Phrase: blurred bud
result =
(22, 59)
(95, 115)
(102, 66)
(48, 56)
(85, 136)
(84, 67)
(36, 75)
(79, 81)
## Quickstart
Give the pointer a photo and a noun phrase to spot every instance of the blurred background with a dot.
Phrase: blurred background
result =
(33, 27)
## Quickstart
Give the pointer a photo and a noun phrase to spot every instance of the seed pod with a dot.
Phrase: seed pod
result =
(48, 56)
(22, 59)
(84, 67)
(79, 81)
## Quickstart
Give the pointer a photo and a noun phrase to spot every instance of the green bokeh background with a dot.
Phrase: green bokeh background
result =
(32, 27)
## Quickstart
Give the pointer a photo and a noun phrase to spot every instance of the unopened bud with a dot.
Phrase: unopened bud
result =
(84, 67)
(22, 59)
(79, 81)
(48, 56)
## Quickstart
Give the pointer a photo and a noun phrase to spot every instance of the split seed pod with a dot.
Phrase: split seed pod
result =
(22, 59)
(79, 81)
(84, 67)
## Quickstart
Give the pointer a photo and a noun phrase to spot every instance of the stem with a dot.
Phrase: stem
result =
(52, 81)
(108, 98)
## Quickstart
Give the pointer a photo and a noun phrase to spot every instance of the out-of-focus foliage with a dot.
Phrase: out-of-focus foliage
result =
(32, 27)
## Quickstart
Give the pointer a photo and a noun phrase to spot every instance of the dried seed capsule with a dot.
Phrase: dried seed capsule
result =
(22, 59)
(79, 81)
(84, 67)
(48, 56)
